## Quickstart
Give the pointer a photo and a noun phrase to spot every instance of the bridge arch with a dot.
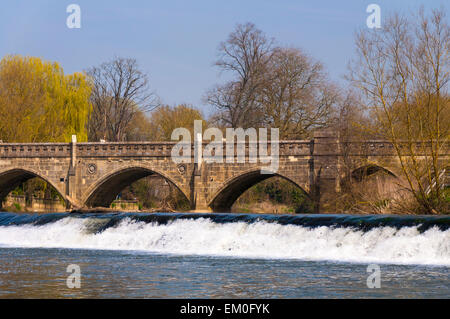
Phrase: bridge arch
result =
(103, 192)
(11, 178)
(234, 187)
(361, 172)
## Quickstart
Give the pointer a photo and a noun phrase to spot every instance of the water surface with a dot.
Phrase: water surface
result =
(223, 256)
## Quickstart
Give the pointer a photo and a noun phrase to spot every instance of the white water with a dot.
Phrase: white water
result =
(239, 239)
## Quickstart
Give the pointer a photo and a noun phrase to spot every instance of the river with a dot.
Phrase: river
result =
(133, 255)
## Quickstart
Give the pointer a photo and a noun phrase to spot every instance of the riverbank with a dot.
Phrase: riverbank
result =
(257, 208)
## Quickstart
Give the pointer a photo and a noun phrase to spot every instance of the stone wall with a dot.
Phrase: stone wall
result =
(38, 205)
(92, 174)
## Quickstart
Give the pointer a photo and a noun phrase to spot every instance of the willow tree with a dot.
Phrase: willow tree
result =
(39, 103)
(403, 69)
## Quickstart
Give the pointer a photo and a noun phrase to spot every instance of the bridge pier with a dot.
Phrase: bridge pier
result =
(326, 170)
(199, 202)
(71, 180)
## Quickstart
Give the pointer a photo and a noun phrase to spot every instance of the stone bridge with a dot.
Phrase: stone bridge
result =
(93, 174)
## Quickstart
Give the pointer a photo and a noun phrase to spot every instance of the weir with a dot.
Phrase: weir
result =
(92, 174)
(344, 238)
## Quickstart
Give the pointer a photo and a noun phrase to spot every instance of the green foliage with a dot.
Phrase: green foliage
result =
(180, 202)
(37, 187)
(447, 194)
(306, 207)
(382, 203)
(278, 191)
(38, 103)
(18, 191)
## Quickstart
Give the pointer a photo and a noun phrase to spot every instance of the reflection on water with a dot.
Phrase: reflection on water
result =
(41, 273)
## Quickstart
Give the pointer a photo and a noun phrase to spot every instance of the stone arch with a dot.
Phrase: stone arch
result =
(231, 189)
(377, 184)
(103, 192)
(359, 173)
(13, 177)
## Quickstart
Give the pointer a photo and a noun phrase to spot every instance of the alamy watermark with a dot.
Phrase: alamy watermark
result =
(235, 146)
(374, 19)
(74, 279)
(74, 19)
(374, 279)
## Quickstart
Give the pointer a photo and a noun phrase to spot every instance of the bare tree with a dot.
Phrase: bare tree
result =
(296, 96)
(120, 90)
(275, 87)
(245, 55)
(403, 70)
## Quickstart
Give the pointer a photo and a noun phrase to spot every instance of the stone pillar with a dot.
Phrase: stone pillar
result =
(198, 180)
(326, 170)
(198, 189)
(71, 176)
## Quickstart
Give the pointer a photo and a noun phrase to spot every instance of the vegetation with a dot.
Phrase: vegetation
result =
(270, 87)
(275, 194)
(39, 103)
(120, 90)
(403, 73)
(397, 90)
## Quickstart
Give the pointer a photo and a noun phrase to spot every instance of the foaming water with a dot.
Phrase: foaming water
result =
(343, 238)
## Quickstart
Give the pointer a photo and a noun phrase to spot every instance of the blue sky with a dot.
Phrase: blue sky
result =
(176, 41)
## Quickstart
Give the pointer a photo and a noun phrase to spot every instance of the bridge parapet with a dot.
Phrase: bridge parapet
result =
(129, 149)
(386, 148)
(164, 149)
(35, 149)
(324, 146)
